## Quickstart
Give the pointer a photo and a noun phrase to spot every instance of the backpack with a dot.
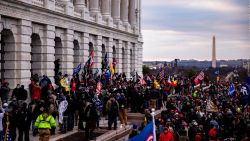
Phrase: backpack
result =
(114, 108)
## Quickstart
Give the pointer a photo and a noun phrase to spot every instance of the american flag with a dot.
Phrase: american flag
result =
(77, 69)
(199, 77)
(142, 82)
(98, 88)
(114, 62)
(148, 78)
(90, 61)
(161, 74)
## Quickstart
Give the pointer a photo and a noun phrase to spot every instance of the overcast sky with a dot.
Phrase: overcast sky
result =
(183, 29)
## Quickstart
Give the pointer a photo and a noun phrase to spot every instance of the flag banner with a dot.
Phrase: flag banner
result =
(148, 78)
(114, 62)
(169, 79)
(156, 85)
(217, 71)
(98, 88)
(174, 83)
(112, 69)
(245, 93)
(199, 77)
(231, 90)
(147, 134)
(142, 82)
(161, 74)
(77, 69)
(90, 61)
(98, 103)
(211, 107)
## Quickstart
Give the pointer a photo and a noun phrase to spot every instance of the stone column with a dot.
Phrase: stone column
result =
(106, 8)
(69, 7)
(124, 11)
(98, 53)
(94, 7)
(139, 15)
(109, 49)
(85, 45)
(48, 51)
(127, 59)
(67, 54)
(132, 12)
(19, 73)
(49, 4)
(116, 12)
(133, 59)
(79, 5)
(106, 11)
(139, 59)
(119, 56)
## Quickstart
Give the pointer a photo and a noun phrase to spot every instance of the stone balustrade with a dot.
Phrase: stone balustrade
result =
(119, 14)
(38, 3)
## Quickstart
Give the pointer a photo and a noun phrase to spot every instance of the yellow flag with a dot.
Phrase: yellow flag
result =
(112, 69)
(156, 85)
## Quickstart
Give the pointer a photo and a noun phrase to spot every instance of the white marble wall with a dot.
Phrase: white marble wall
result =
(48, 25)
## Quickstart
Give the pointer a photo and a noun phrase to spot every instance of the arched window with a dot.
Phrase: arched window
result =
(36, 58)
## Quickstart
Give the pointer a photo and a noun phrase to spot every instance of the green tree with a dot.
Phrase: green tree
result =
(145, 70)
(189, 73)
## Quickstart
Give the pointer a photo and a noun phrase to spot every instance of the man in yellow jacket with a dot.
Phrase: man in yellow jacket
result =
(44, 123)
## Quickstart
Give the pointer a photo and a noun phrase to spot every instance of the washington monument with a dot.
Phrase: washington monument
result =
(214, 54)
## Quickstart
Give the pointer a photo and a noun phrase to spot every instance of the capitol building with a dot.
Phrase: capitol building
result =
(35, 33)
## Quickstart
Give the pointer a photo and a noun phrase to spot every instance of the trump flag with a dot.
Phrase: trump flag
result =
(147, 134)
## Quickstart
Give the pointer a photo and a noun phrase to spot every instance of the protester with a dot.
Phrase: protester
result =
(166, 135)
(112, 107)
(23, 123)
(190, 111)
(44, 123)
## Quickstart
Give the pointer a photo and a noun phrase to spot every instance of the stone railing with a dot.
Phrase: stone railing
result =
(38, 3)
(77, 14)
(59, 6)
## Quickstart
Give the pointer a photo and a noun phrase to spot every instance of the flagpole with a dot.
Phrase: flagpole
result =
(153, 120)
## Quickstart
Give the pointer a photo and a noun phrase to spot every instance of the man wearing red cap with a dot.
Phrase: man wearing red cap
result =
(166, 135)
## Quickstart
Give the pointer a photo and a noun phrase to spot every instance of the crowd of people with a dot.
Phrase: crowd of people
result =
(81, 101)
(207, 112)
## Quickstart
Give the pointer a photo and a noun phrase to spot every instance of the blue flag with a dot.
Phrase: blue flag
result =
(77, 69)
(147, 134)
(231, 90)
(217, 72)
(245, 93)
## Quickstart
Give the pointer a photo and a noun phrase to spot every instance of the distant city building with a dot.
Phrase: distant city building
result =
(246, 65)
(223, 65)
(214, 53)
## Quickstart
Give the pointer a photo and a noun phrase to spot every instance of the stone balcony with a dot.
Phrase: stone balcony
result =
(66, 7)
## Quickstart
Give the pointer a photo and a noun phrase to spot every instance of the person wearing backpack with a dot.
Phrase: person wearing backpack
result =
(112, 107)
(44, 123)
